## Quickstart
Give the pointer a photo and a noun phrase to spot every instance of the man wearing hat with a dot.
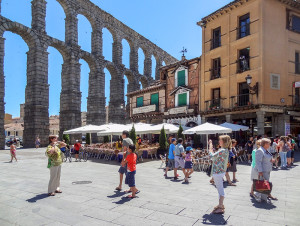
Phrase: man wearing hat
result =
(171, 161)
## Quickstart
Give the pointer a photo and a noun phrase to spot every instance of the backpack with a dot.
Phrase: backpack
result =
(285, 148)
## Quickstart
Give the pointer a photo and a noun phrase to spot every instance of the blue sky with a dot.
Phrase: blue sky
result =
(171, 24)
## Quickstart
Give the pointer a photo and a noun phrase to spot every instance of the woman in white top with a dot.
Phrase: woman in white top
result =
(274, 152)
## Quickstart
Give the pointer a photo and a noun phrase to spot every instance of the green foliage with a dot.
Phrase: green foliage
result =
(180, 134)
(132, 135)
(106, 139)
(163, 143)
(66, 137)
(197, 141)
(88, 138)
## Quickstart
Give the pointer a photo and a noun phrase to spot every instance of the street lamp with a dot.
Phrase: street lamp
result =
(252, 89)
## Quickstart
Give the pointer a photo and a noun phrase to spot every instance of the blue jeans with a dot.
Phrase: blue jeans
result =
(283, 158)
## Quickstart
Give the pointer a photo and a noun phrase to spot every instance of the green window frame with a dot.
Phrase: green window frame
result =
(139, 102)
(181, 78)
(182, 99)
(154, 99)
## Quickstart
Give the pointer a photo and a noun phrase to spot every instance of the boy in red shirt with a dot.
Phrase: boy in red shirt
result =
(131, 170)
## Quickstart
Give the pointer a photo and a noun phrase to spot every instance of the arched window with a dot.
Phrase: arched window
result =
(153, 67)
(55, 62)
(84, 33)
(55, 20)
(107, 44)
(126, 53)
(107, 86)
(17, 10)
(125, 89)
(84, 83)
(141, 61)
(15, 65)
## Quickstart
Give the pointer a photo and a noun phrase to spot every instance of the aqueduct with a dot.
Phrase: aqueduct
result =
(36, 119)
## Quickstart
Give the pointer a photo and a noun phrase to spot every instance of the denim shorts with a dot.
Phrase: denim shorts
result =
(188, 165)
(289, 154)
(171, 163)
(130, 179)
(122, 169)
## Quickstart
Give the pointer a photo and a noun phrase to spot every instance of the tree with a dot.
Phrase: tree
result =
(132, 135)
(106, 139)
(180, 134)
(163, 144)
(66, 137)
(88, 138)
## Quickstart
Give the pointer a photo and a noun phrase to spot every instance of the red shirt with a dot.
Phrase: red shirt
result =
(131, 162)
(77, 146)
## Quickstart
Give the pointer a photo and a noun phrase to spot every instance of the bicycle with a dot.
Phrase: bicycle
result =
(67, 156)
(83, 155)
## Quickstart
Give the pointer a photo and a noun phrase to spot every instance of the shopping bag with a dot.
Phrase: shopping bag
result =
(262, 186)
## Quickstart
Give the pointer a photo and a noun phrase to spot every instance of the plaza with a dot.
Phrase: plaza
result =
(89, 198)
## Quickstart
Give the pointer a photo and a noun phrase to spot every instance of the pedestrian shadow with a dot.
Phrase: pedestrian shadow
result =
(214, 219)
(124, 200)
(116, 195)
(177, 180)
(262, 205)
(37, 198)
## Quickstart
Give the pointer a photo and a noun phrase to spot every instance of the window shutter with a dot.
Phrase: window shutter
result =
(154, 99)
(275, 81)
(182, 99)
(139, 102)
(181, 78)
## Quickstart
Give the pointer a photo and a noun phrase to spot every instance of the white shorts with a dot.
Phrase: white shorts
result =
(254, 174)
(179, 161)
(218, 178)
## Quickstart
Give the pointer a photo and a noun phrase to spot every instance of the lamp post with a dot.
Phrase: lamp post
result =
(252, 89)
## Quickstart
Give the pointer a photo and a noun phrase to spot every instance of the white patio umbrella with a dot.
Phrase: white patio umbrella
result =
(235, 127)
(169, 128)
(140, 128)
(207, 128)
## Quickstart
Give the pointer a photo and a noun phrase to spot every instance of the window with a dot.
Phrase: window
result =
(139, 102)
(244, 26)
(182, 99)
(215, 102)
(297, 96)
(295, 26)
(243, 97)
(154, 100)
(297, 63)
(244, 60)
(216, 40)
(181, 78)
(216, 68)
(275, 81)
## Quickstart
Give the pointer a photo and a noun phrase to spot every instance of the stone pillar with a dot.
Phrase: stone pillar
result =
(2, 92)
(71, 36)
(38, 10)
(158, 65)
(229, 118)
(260, 122)
(116, 104)
(280, 121)
(36, 116)
(70, 97)
(117, 51)
(148, 65)
(134, 59)
(97, 41)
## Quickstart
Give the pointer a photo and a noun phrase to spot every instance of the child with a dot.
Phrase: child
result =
(188, 164)
(131, 170)
(13, 151)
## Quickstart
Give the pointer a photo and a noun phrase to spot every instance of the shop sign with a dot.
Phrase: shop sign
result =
(185, 121)
(144, 109)
(175, 111)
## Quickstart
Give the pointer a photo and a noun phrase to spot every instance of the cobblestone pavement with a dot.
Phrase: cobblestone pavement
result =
(23, 198)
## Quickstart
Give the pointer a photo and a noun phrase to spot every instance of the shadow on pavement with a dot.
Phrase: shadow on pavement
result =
(117, 194)
(38, 197)
(214, 219)
(262, 205)
(124, 200)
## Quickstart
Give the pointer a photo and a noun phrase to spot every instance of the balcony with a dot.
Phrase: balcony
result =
(214, 105)
(241, 100)
(215, 74)
(243, 31)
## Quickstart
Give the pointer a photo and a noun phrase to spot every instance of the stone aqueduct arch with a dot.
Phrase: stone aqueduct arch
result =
(36, 119)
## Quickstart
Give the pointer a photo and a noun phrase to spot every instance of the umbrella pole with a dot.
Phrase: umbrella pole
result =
(207, 142)
(90, 138)
(111, 140)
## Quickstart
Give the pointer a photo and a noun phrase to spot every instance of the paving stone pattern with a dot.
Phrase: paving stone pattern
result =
(36, 120)
(23, 198)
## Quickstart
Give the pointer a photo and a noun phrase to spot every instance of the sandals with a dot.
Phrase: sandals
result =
(131, 197)
(273, 198)
(58, 191)
(231, 184)
(219, 210)
(118, 189)
(51, 194)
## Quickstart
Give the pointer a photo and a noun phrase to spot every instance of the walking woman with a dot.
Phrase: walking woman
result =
(54, 164)
(37, 142)
(283, 149)
(13, 151)
(219, 167)
(254, 173)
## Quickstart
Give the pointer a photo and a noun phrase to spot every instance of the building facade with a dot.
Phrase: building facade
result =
(148, 105)
(250, 61)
